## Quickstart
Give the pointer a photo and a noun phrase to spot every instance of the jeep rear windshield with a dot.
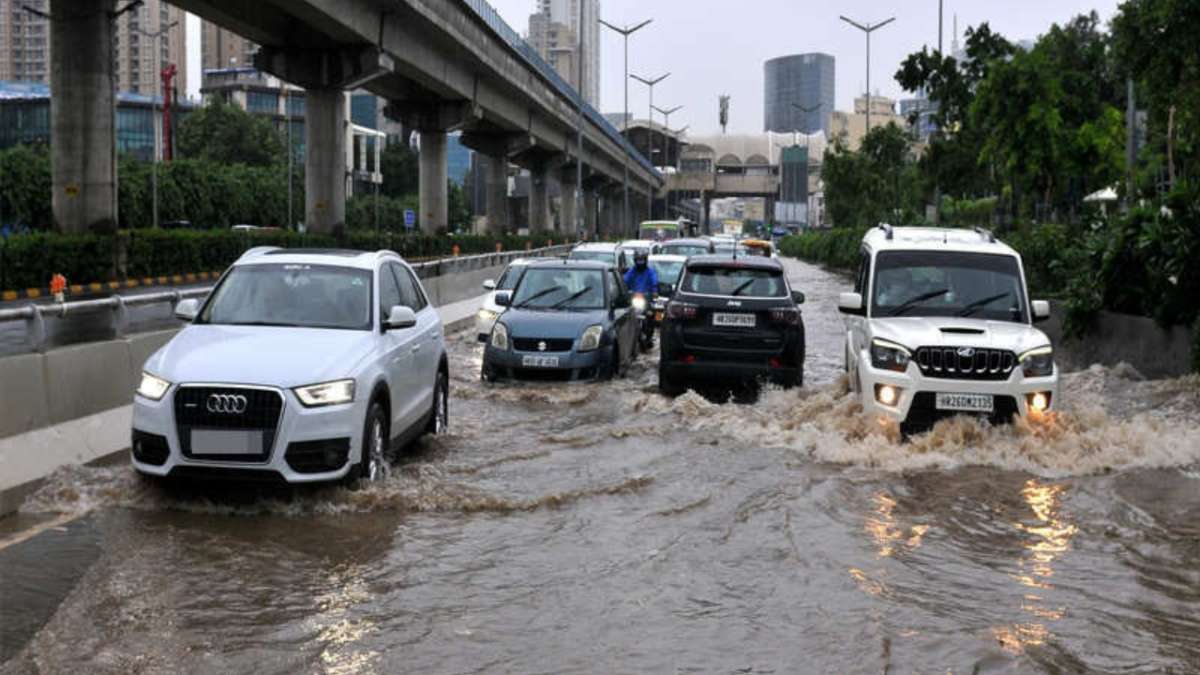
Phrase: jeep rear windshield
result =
(948, 284)
(295, 295)
(751, 282)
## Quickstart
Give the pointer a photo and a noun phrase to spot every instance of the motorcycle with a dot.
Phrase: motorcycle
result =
(646, 317)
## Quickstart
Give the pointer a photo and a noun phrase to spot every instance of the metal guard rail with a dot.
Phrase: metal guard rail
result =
(34, 315)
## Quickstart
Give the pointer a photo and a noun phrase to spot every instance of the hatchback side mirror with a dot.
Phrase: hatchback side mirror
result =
(798, 297)
(489, 285)
(187, 309)
(850, 303)
(400, 317)
(503, 299)
(1041, 310)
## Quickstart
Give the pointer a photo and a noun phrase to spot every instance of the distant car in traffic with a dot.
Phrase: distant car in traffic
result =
(566, 321)
(486, 317)
(687, 247)
(601, 252)
(301, 365)
(732, 323)
(939, 324)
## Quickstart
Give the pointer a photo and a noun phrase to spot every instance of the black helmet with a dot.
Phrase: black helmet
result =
(640, 258)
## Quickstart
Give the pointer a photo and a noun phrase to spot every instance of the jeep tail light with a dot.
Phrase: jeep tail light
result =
(681, 310)
(785, 315)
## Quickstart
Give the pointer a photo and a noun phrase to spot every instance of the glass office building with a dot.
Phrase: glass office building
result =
(805, 80)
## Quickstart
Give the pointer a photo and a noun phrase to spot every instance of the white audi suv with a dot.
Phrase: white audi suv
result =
(940, 324)
(305, 365)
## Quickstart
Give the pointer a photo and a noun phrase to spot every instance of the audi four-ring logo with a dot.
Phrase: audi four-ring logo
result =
(226, 404)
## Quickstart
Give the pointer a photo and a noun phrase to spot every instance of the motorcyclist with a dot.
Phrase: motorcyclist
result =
(641, 278)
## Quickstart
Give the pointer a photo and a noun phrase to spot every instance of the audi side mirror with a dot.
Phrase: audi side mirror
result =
(851, 303)
(798, 297)
(1041, 311)
(400, 317)
(187, 309)
(503, 299)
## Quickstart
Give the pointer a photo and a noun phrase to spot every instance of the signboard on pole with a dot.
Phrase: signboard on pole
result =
(410, 219)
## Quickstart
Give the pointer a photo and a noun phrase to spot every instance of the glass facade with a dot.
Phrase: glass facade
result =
(24, 122)
(295, 104)
(364, 110)
(262, 102)
(135, 132)
(805, 80)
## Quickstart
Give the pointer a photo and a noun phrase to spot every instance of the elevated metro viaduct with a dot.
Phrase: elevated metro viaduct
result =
(443, 65)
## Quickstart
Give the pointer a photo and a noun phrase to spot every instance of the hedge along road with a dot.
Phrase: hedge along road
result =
(604, 528)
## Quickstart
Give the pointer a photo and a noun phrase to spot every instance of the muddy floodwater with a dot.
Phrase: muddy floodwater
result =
(605, 529)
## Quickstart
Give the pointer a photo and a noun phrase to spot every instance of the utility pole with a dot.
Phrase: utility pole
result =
(579, 132)
(868, 28)
(155, 37)
(625, 33)
(667, 151)
(940, 2)
(650, 129)
(287, 116)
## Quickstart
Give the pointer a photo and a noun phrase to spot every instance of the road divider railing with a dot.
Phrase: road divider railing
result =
(34, 315)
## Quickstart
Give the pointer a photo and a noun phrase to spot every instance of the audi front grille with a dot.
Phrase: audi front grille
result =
(965, 363)
(227, 409)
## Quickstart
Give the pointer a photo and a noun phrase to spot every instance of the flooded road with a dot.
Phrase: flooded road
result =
(606, 529)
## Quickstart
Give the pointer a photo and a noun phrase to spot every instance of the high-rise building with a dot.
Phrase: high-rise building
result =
(554, 33)
(805, 80)
(25, 44)
(222, 48)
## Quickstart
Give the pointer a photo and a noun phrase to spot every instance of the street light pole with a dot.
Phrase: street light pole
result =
(650, 133)
(579, 140)
(154, 37)
(667, 150)
(625, 33)
(868, 28)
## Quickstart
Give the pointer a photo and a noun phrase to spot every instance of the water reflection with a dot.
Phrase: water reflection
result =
(888, 535)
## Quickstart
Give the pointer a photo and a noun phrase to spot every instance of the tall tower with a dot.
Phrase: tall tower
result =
(804, 80)
(554, 33)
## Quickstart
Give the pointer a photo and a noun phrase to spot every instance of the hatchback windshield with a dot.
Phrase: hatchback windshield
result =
(509, 279)
(738, 281)
(307, 296)
(668, 271)
(560, 288)
(978, 285)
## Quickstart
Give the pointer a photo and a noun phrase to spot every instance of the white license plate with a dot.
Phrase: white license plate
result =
(226, 442)
(737, 320)
(984, 403)
(539, 361)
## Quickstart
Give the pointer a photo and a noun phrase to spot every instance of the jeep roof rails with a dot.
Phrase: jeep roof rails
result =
(986, 234)
(888, 232)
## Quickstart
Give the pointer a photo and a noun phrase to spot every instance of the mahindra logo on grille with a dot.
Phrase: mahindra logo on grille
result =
(542, 346)
(226, 404)
(966, 352)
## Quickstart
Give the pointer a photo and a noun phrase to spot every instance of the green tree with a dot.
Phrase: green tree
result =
(25, 187)
(877, 183)
(401, 173)
(222, 132)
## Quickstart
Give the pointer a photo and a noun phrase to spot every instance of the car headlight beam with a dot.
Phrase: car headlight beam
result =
(1038, 362)
(153, 388)
(487, 315)
(326, 393)
(591, 338)
(887, 355)
(500, 336)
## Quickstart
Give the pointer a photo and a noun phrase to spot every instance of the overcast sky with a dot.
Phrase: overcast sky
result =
(718, 47)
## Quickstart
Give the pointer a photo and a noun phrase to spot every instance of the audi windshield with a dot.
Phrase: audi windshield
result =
(948, 284)
(295, 295)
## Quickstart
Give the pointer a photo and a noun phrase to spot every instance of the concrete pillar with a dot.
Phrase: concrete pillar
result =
(434, 192)
(567, 214)
(539, 200)
(590, 221)
(325, 160)
(82, 115)
(497, 195)
(705, 228)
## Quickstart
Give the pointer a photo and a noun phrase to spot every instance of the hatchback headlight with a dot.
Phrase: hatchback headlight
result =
(487, 315)
(591, 338)
(1038, 362)
(500, 336)
(889, 356)
(326, 393)
(153, 388)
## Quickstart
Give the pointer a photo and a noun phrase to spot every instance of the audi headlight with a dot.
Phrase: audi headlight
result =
(153, 388)
(889, 356)
(487, 315)
(326, 393)
(1038, 362)
(591, 338)
(500, 336)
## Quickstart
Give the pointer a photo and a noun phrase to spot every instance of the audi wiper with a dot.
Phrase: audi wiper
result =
(913, 302)
(572, 298)
(535, 296)
(980, 304)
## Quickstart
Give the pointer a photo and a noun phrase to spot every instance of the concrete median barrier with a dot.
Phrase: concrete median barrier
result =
(23, 396)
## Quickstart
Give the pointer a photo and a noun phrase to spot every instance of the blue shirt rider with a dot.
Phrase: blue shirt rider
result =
(641, 278)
